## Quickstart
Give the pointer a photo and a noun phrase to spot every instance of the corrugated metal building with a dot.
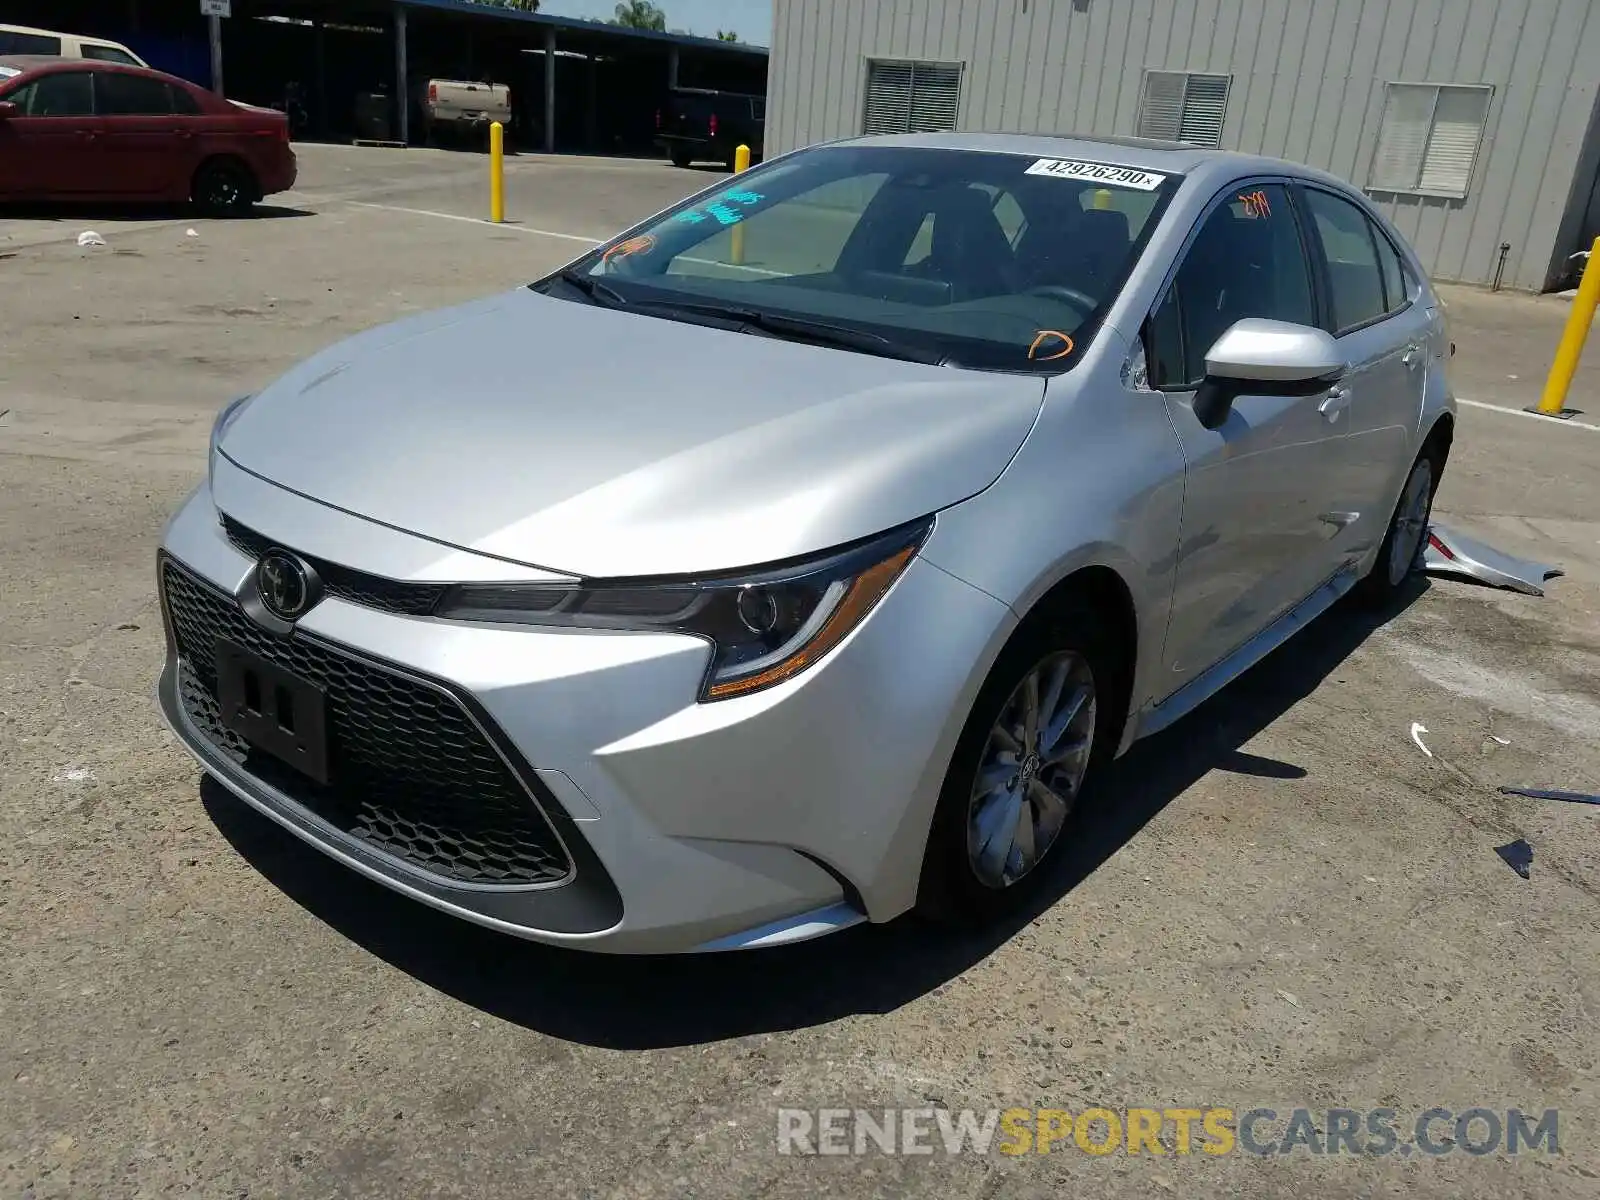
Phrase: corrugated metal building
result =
(1473, 122)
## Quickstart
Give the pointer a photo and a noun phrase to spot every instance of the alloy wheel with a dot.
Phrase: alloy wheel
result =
(1411, 522)
(1031, 769)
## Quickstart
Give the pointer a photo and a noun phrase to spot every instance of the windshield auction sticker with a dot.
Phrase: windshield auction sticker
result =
(1066, 168)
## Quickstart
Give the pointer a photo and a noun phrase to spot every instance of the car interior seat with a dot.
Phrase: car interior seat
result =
(969, 249)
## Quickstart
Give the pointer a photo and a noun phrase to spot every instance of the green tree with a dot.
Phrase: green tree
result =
(641, 14)
(727, 35)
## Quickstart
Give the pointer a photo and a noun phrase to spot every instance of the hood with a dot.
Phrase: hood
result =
(602, 443)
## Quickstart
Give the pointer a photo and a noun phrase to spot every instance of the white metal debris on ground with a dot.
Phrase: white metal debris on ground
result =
(1417, 730)
(191, 233)
(90, 238)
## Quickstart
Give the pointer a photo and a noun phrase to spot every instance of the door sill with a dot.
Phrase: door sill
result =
(1211, 681)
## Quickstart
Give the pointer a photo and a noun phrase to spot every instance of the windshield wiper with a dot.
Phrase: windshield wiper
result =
(800, 329)
(592, 287)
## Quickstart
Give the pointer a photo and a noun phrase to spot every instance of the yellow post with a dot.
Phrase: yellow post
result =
(1553, 403)
(1102, 198)
(741, 164)
(497, 172)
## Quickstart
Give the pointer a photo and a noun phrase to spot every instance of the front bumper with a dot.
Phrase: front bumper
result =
(753, 821)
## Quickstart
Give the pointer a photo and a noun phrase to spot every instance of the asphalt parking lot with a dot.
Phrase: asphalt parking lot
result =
(1290, 905)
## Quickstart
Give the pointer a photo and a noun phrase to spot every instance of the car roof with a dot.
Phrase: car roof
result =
(54, 62)
(32, 62)
(1145, 154)
(92, 39)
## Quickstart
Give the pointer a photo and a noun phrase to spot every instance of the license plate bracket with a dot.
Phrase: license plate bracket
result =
(274, 710)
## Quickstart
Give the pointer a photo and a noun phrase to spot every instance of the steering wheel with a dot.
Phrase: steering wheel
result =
(1060, 291)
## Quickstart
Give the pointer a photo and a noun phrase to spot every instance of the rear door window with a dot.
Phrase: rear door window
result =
(182, 102)
(119, 95)
(63, 95)
(1355, 279)
(1396, 289)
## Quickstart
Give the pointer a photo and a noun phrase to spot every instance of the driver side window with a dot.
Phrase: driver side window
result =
(1248, 260)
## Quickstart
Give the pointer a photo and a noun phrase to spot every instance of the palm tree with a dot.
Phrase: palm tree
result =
(641, 14)
(727, 35)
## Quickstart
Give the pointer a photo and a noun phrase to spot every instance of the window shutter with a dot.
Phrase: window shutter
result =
(1402, 136)
(1178, 106)
(1428, 138)
(935, 97)
(888, 98)
(1458, 121)
(907, 97)
(1161, 112)
(1205, 103)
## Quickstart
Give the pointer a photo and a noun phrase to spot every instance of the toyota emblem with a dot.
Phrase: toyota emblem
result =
(285, 585)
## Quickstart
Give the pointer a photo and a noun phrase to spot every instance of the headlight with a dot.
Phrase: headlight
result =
(764, 626)
(219, 427)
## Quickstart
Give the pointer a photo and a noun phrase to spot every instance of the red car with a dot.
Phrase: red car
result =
(77, 129)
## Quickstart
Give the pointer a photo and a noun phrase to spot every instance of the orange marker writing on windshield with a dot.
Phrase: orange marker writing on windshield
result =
(1045, 335)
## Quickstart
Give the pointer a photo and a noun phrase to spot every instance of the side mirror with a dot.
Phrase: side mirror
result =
(1264, 357)
(8, 109)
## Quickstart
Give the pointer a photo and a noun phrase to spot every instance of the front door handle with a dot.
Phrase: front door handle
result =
(1337, 400)
(1413, 355)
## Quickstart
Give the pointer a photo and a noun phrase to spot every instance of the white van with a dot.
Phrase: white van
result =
(21, 39)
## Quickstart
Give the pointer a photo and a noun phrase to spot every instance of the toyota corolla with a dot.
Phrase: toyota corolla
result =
(802, 555)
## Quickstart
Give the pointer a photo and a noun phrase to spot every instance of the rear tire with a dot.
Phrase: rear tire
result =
(224, 187)
(1014, 789)
(1407, 535)
(681, 158)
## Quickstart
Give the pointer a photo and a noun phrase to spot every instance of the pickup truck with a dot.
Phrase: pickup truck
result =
(462, 110)
(703, 125)
(24, 39)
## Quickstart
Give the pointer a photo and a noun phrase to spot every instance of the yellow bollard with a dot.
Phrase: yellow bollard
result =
(1102, 198)
(497, 172)
(741, 164)
(1553, 402)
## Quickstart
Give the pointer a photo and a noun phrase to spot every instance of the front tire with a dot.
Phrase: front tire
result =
(1039, 733)
(681, 158)
(1407, 535)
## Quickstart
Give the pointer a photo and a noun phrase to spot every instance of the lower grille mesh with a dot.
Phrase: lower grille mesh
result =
(410, 771)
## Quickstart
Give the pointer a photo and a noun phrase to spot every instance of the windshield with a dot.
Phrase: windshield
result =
(993, 261)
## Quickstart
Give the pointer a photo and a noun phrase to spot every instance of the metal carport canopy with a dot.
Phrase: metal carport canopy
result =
(564, 33)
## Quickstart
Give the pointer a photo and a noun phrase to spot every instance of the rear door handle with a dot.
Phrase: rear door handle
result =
(1337, 400)
(1413, 355)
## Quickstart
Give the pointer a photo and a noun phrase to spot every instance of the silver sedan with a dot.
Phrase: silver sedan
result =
(802, 555)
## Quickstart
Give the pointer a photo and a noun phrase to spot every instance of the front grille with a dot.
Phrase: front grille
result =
(358, 587)
(410, 772)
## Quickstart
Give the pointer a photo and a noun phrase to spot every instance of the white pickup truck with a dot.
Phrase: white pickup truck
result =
(462, 110)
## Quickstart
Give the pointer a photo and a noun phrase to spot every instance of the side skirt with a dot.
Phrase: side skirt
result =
(1200, 689)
